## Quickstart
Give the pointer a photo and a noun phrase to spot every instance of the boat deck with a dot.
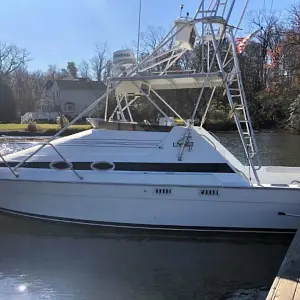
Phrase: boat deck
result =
(286, 285)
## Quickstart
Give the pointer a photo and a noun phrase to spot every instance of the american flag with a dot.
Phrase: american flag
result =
(241, 43)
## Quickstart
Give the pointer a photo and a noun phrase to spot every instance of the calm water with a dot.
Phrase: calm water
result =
(42, 260)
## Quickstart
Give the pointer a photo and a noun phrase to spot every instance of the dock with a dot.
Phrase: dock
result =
(286, 285)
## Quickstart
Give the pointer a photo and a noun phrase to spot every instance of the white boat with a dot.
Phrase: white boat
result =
(125, 174)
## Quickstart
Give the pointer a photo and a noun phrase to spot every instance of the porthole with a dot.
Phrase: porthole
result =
(61, 165)
(102, 166)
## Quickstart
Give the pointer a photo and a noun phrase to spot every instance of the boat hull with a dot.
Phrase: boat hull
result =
(189, 208)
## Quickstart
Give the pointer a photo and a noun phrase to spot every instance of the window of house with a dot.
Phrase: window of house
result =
(56, 108)
(69, 107)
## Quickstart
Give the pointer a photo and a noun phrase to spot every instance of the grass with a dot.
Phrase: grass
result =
(41, 127)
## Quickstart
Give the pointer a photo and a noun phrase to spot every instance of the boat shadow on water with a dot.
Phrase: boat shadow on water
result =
(71, 261)
(17, 224)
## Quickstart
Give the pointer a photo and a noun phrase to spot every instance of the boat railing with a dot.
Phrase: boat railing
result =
(241, 172)
(9, 167)
(207, 138)
(217, 138)
(16, 174)
(62, 157)
(295, 182)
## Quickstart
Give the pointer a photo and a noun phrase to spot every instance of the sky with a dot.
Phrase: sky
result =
(58, 31)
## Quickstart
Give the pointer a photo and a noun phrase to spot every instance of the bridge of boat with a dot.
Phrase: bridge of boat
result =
(134, 84)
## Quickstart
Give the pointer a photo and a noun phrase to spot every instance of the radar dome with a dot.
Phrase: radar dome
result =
(124, 57)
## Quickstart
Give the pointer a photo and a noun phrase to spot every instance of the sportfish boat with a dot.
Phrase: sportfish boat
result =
(129, 174)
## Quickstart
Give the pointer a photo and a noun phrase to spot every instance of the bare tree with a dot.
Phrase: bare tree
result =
(84, 69)
(291, 45)
(151, 38)
(37, 80)
(11, 58)
(99, 60)
(53, 73)
(294, 18)
(26, 88)
(107, 70)
(268, 38)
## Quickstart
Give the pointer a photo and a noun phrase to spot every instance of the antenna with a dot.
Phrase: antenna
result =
(181, 8)
(139, 31)
(271, 8)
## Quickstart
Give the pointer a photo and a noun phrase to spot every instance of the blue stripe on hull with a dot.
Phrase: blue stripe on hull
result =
(160, 228)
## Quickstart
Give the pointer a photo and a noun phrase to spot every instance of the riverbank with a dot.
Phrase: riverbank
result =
(45, 130)
(41, 130)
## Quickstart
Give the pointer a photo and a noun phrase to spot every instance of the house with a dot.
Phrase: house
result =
(67, 96)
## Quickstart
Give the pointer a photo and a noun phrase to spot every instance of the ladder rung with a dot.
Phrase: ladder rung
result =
(208, 11)
(236, 95)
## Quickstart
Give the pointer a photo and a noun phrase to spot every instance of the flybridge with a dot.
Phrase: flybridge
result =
(209, 28)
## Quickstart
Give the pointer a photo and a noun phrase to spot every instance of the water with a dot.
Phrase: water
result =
(274, 148)
(43, 260)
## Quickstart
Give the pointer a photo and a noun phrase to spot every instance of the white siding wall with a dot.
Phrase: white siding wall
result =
(81, 99)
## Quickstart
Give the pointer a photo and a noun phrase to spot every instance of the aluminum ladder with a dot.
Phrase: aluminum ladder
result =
(234, 90)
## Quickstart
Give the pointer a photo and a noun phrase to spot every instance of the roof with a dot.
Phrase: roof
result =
(80, 85)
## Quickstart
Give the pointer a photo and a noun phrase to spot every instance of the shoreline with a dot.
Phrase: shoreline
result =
(48, 133)
(42, 133)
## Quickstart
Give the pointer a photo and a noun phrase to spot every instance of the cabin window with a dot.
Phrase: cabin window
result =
(61, 165)
(102, 166)
(69, 107)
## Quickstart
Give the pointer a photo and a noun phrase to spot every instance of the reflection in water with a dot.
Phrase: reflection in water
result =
(279, 149)
(7, 148)
(43, 260)
(56, 261)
